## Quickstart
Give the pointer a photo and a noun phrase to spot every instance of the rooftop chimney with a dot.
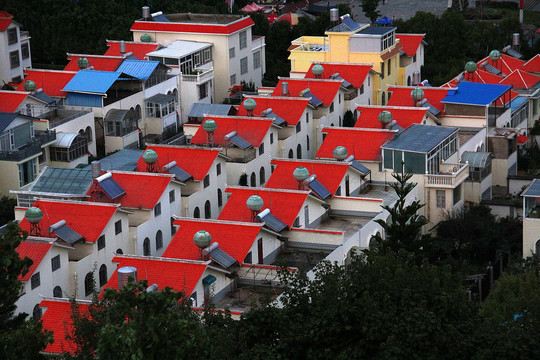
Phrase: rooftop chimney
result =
(122, 47)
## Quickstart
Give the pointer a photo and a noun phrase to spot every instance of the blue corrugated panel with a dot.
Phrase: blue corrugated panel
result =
(112, 188)
(140, 69)
(90, 81)
(517, 102)
(420, 138)
(471, 93)
(89, 100)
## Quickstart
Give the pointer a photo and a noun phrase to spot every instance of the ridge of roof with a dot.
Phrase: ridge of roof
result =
(251, 129)
(364, 144)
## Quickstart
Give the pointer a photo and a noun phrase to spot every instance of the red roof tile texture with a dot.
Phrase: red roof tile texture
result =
(234, 239)
(289, 109)
(179, 276)
(99, 62)
(285, 205)
(325, 90)
(404, 116)
(363, 144)
(329, 175)
(222, 29)
(5, 20)
(89, 220)
(36, 251)
(10, 100)
(139, 50)
(520, 80)
(533, 65)
(410, 42)
(401, 96)
(57, 318)
(506, 63)
(196, 162)
(251, 130)
(51, 81)
(143, 190)
(353, 73)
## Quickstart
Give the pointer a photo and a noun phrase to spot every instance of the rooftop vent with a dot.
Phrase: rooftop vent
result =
(317, 70)
(124, 274)
(495, 55)
(122, 46)
(96, 169)
(250, 105)
(285, 88)
(417, 94)
(416, 78)
(82, 63)
(146, 13)
(29, 85)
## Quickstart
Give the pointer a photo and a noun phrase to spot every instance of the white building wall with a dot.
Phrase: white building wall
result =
(6, 72)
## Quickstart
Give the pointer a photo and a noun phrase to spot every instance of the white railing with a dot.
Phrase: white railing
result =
(199, 78)
(449, 175)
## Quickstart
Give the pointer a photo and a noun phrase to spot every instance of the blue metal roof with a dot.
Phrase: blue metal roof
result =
(199, 109)
(140, 69)
(420, 138)
(534, 189)
(471, 93)
(124, 160)
(91, 81)
(518, 102)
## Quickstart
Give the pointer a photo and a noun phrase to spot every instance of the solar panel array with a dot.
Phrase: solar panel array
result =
(314, 100)
(64, 181)
(222, 258)
(274, 223)
(358, 166)
(277, 120)
(111, 188)
(351, 24)
(180, 173)
(68, 234)
(240, 142)
(319, 189)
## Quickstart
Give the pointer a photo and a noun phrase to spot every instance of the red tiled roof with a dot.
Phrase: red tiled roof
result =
(328, 174)
(325, 90)
(533, 65)
(51, 81)
(289, 109)
(5, 20)
(404, 116)
(179, 276)
(410, 42)
(88, 219)
(401, 96)
(10, 100)
(57, 318)
(36, 251)
(521, 80)
(253, 130)
(506, 63)
(195, 161)
(363, 144)
(353, 73)
(139, 50)
(198, 28)
(283, 204)
(99, 62)
(522, 139)
(143, 190)
(479, 76)
(234, 238)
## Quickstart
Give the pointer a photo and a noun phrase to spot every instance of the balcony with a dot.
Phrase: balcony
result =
(202, 76)
(31, 149)
(449, 176)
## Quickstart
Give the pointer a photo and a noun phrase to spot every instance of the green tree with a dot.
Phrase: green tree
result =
(135, 324)
(19, 338)
(7, 204)
(369, 7)
(348, 119)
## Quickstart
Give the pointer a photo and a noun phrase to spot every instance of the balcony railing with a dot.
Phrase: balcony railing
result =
(199, 78)
(31, 149)
(449, 176)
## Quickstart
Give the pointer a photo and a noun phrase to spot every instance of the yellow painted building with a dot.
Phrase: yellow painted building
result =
(350, 42)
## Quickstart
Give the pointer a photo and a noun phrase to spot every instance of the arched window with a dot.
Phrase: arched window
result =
(138, 111)
(102, 275)
(299, 151)
(291, 154)
(159, 240)
(173, 228)
(119, 251)
(219, 198)
(253, 179)
(88, 284)
(57, 292)
(146, 247)
(207, 210)
(197, 213)
(537, 248)
(262, 176)
(36, 313)
(88, 133)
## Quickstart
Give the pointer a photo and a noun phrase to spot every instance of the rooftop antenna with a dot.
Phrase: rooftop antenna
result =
(150, 157)
(34, 216)
(202, 240)
(254, 204)
(300, 174)
(210, 127)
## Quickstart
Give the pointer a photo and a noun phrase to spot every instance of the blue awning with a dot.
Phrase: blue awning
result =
(470, 93)
(140, 69)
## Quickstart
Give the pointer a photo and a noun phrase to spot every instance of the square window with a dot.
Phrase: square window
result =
(257, 59)
(218, 169)
(206, 181)
(118, 227)
(55, 263)
(172, 196)
(12, 36)
(157, 209)
(101, 242)
(243, 39)
(14, 59)
(35, 281)
(232, 79)
(243, 65)
(441, 199)
(25, 51)
(232, 53)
